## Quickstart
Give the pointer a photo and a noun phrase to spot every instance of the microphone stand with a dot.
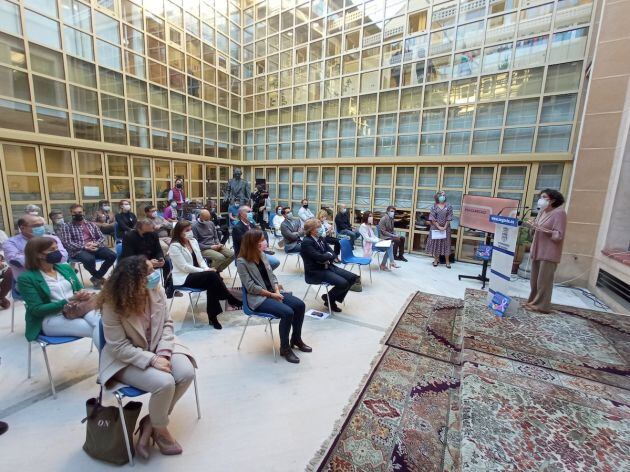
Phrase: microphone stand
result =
(484, 268)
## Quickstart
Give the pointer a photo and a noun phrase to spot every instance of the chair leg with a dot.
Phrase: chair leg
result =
(308, 287)
(91, 346)
(13, 316)
(318, 290)
(243, 334)
(29, 359)
(121, 413)
(285, 261)
(370, 268)
(197, 396)
(171, 305)
(192, 308)
(328, 297)
(50, 379)
(298, 262)
(273, 342)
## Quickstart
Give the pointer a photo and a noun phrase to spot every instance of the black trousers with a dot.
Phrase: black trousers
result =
(215, 290)
(398, 246)
(88, 259)
(339, 278)
(291, 314)
(335, 242)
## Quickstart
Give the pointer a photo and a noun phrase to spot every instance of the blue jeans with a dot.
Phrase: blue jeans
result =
(88, 259)
(353, 235)
(274, 262)
(387, 254)
(291, 314)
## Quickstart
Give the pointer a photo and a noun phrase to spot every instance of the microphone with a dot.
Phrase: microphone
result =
(514, 208)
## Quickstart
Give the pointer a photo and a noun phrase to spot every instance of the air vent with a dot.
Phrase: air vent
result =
(614, 287)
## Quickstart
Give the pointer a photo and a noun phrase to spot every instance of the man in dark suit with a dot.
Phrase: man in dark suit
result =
(245, 223)
(318, 260)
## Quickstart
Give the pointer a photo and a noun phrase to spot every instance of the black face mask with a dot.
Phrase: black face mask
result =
(178, 185)
(77, 217)
(54, 257)
(305, 206)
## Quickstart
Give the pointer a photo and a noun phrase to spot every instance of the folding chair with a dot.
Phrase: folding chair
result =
(249, 313)
(323, 284)
(348, 257)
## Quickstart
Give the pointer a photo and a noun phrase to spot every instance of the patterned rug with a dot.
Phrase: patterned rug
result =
(430, 326)
(583, 343)
(533, 422)
(400, 421)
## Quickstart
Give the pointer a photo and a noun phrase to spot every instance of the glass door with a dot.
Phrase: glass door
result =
(92, 186)
(142, 184)
(60, 186)
(427, 180)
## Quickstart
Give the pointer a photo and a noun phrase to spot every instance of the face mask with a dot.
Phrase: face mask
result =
(305, 205)
(370, 220)
(33, 212)
(77, 218)
(542, 203)
(250, 217)
(106, 208)
(441, 199)
(189, 235)
(126, 207)
(178, 185)
(263, 245)
(321, 232)
(289, 215)
(153, 279)
(39, 231)
(174, 205)
(343, 210)
(154, 214)
(54, 257)
(279, 212)
(391, 214)
(58, 222)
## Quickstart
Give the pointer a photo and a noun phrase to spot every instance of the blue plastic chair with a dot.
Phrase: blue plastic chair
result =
(378, 250)
(291, 253)
(323, 284)
(129, 391)
(45, 341)
(189, 291)
(249, 313)
(348, 257)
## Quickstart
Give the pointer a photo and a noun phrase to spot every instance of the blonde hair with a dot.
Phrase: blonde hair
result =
(311, 224)
(321, 214)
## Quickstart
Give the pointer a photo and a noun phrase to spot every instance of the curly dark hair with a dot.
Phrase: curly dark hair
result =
(126, 289)
(556, 197)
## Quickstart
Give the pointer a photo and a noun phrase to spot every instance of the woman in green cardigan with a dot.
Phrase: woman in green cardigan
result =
(47, 286)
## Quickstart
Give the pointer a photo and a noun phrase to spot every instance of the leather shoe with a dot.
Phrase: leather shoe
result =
(271, 253)
(289, 355)
(301, 346)
(333, 305)
(401, 258)
(215, 322)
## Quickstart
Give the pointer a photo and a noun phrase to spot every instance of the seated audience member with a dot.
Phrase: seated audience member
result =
(56, 304)
(329, 233)
(220, 223)
(387, 231)
(342, 221)
(32, 210)
(104, 218)
(144, 241)
(278, 218)
(368, 234)
(264, 294)
(170, 212)
(29, 226)
(190, 270)
(304, 213)
(86, 244)
(6, 282)
(244, 224)
(141, 349)
(209, 239)
(160, 226)
(292, 232)
(56, 218)
(125, 219)
(318, 265)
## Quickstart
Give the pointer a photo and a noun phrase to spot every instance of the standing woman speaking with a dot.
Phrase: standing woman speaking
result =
(440, 217)
(548, 228)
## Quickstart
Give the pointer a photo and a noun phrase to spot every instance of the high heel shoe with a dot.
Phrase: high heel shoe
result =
(146, 430)
(166, 446)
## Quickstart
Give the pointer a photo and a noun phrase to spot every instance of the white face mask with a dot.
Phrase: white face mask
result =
(126, 207)
(189, 235)
(391, 214)
(370, 220)
(154, 214)
(343, 210)
(542, 203)
(106, 207)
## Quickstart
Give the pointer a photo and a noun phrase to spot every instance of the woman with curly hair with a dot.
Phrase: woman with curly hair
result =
(141, 349)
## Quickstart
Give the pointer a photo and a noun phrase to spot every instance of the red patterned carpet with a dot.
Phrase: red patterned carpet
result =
(530, 392)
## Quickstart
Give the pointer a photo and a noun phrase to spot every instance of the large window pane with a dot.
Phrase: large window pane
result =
(14, 115)
(10, 17)
(522, 112)
(49, 92)
(108, 55)
(563, 77)
(86, 127)
(568, 45)
(106, 28)
(553, 138)
(486, 141)
(497, 58)
(52, 121)
(431, 144)
(42, 30)
(489, 114)
(76, 14)
(558, 108)
(14, 83)
(457, 143)
(84, 100)
(531, 52)
(78, 43)
(516, 140)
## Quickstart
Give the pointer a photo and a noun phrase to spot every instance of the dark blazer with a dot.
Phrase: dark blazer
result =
(342, 221)
(126, 222)
(317, 257)
(238, 232)
(135, 245)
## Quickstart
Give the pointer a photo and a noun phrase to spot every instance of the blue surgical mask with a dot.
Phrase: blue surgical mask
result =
(321, 231)
(441, 199)
(250, 217)
(39, 231)
(153, 279)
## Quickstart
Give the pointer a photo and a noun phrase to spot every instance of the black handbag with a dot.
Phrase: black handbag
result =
(104, 439)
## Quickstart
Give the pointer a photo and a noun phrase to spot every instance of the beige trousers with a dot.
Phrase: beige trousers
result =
(165, 388)
(541, 283)
(220, 259)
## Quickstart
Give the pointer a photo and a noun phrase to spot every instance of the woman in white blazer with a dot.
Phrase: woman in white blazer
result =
(190, 270)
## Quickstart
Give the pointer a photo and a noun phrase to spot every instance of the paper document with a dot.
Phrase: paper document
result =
(438, 234)
(322, 315)
(384, 243)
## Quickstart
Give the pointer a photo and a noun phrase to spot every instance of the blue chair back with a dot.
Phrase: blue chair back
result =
(346, 249)
(246, 308)
(15, 293)
(101, 337)
(119, 248)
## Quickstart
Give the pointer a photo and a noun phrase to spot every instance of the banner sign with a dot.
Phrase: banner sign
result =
(476, 211)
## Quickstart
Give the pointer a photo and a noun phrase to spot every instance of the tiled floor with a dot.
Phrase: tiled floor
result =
(257, 414)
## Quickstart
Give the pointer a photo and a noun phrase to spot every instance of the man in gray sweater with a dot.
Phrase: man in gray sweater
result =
(209, 239)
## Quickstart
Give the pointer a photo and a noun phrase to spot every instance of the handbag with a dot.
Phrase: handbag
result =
(78, 309)
(104, 438)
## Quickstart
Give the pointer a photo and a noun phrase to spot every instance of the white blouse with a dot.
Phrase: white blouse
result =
(60, 287)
